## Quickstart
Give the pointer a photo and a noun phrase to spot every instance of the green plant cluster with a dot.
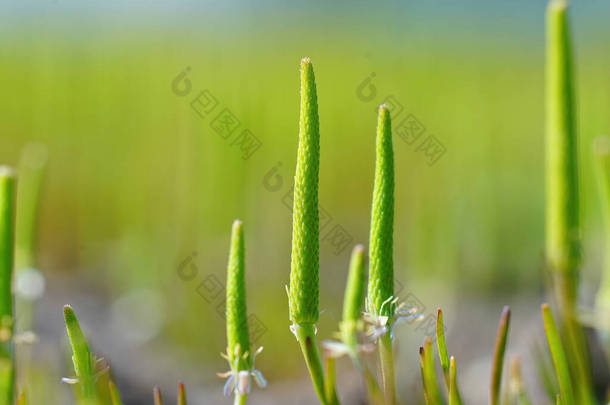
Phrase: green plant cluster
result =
(371, 311)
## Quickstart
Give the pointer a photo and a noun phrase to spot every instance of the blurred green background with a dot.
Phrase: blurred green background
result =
(138, 181)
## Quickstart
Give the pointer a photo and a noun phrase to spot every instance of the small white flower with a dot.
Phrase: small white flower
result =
(239, 382)
(379, 324)
(96, 376)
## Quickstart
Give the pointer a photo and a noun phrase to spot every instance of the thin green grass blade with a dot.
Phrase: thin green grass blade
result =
(426, 359)
(498, 361)
(442, 345)
(454, 392)
(7, 240)
(115, 396)
(330, 382)
(353, 301)
(517, 392)
(559, 357)
(81, 355)
(181, 394)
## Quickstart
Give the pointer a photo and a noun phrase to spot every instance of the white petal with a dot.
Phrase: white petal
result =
(243, 385)
(258, 377)
(335, 349)
(69, 380)
(229, 386)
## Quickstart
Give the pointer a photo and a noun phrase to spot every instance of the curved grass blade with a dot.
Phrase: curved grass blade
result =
(454, 392)
(330, 381)
(559, 357)
(81, 355)
(7, 240)
(442, 345)
(115, 396)
(426, 361)
(518, 394)
(498, 361)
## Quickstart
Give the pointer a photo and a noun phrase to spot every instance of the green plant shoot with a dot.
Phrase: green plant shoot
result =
(7, 240)
(303, 294)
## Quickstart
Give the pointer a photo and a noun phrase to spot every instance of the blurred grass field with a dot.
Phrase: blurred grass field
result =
(137, 181)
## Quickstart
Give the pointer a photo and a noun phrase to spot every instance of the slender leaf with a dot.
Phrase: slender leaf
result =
(498, 361)
(559, 357)
(442, 345)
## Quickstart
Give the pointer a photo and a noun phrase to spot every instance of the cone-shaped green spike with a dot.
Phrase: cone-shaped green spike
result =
(238, 340)
(304, 289)
(81, 355)
(381, 247)
(7, 239)
(353, 301)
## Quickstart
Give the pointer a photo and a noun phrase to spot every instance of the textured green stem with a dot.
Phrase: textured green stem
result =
(7, 239)
(306, 337)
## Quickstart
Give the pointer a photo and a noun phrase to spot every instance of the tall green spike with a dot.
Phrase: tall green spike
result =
(381, 245)
(304, 288)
